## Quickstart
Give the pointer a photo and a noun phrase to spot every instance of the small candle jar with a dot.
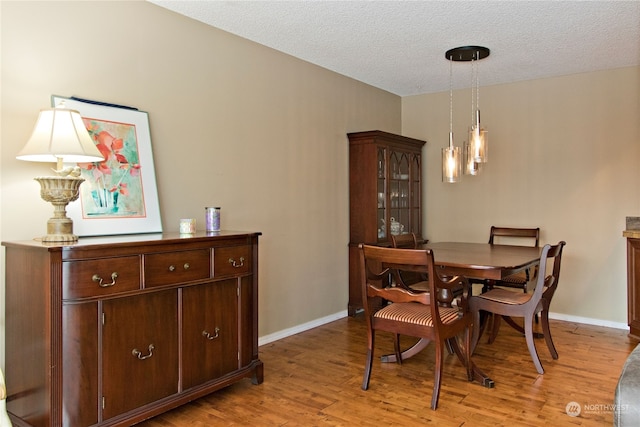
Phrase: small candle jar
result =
(187, 226)
(212, 217)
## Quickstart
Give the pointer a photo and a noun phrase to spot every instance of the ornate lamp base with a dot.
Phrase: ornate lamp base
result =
(59, 191)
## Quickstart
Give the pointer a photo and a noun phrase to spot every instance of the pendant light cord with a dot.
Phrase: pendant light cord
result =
(477, 81)
(450, 102)
(473, 82)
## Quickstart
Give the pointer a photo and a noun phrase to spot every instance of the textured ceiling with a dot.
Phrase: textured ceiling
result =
(400, 46)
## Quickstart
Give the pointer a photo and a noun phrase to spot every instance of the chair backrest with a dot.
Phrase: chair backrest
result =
(377, 262)
(508, 235)
(556, 253)
(406, 278)
(547, 283)
(404, 241)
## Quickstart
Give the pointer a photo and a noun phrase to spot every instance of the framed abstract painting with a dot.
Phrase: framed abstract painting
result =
(119, 195)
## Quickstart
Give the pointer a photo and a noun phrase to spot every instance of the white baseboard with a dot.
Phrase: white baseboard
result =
(588, 321)
(301, 328)
(341, 314)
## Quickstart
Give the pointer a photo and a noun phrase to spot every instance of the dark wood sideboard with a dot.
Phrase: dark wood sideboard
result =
(110, 331)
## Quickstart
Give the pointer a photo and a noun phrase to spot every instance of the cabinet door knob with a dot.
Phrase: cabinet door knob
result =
(186, 266)
(97, 278)
(236, 264)
(137, 353)
(172, 268)
(208, 336)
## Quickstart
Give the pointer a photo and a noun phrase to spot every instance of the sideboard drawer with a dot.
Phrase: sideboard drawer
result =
(232, 260)
(176, 267)
(100, 277)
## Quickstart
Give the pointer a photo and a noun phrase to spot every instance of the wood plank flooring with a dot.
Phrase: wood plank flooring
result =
(313, 379)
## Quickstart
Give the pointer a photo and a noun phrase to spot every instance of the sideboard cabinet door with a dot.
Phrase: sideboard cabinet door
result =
(140, 351)
(209, 331)
(80, 364)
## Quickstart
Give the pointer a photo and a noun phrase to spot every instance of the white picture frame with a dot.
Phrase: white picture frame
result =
(119, 195)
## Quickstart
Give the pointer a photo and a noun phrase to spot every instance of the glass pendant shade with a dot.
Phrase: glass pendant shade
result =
(471, 167)
(478, 141)
(451, 162)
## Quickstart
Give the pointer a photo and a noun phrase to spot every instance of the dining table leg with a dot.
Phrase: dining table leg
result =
(410, 352)
(478, 374)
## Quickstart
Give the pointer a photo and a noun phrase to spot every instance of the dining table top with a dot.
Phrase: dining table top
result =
(482, 260)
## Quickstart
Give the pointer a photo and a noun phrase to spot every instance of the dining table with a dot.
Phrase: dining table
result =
(482, 261)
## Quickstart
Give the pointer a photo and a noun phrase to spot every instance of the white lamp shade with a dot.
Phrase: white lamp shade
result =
(60, 133)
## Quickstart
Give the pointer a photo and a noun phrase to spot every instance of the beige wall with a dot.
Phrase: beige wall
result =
(564, 156)
(233, 124)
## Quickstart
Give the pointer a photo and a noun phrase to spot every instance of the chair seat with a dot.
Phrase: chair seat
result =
(415, 313)
(422, 286)
(505, 296)
(519, 279)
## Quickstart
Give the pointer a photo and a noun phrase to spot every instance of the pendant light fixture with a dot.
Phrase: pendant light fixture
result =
(476, 150)
(478, 136)
(451, 158)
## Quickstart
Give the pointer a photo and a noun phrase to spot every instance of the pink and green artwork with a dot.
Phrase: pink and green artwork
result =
(113, 187)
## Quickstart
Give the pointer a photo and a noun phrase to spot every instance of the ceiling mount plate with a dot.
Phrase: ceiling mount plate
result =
(467, 53)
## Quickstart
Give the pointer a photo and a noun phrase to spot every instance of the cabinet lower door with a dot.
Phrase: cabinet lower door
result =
(139, 351)
(209, 331)
(80, 364)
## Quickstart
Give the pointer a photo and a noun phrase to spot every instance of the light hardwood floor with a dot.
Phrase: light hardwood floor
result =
(313, 379)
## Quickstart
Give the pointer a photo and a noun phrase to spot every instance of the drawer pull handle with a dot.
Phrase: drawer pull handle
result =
(97, 278)
(137, 353)
(172, 268)
(186, 266)
(208, 336)
(235, 264)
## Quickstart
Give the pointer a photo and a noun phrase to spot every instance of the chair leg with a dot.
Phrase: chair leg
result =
(396, 349)
(495, 328)
(449, 347)
(467, 352)
(524, 288)
(369, 362)
(544, 314)
(476, 329)
(438, 374)
(528, 333)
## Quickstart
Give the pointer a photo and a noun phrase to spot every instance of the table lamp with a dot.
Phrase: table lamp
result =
(60, 136)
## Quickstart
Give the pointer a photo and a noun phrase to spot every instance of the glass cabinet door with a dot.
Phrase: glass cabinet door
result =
(399, 193)
(415, 196)
(382, 195)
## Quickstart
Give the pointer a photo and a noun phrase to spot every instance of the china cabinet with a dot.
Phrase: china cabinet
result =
(111, 331)
(385, 181)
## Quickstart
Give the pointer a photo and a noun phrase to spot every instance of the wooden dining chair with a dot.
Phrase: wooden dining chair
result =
(411, 313)
(518, 236)
(504, 302)
(410, 280)
(419, 282)
(511, 236)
